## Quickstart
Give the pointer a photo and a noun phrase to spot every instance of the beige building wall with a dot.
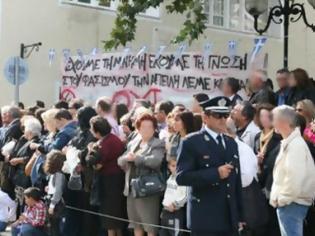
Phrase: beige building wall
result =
(62, 26)
(302, 43)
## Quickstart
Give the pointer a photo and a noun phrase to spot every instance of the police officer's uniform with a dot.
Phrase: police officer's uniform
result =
(215, 205)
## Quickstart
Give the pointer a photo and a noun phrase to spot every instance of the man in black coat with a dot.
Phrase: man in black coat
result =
(12, 132)
(209, 163)
(261, 93)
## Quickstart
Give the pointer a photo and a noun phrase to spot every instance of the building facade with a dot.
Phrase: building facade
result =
(83, 24)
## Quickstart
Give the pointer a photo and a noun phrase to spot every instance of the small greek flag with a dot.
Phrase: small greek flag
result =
(51, 55)
(141, 52)
(81, 55)
(66, 54)
(179, 52)
(232, 46)
(95, 51)
(159, 52)
(259, 44)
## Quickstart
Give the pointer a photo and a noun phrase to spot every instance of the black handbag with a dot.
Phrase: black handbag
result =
(148, 185)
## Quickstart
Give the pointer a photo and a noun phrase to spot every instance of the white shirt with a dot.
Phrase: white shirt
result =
(250, 133)
(175, 194)
(248, 163)
(114, 124)
(215, 135)
(7, 208)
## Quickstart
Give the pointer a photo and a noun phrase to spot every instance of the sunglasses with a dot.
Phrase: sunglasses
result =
(220, 115)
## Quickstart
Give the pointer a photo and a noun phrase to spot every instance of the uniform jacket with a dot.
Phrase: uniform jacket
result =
(215, 205)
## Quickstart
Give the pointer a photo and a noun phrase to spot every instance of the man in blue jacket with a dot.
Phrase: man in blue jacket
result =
(209, 163)
(67, 129)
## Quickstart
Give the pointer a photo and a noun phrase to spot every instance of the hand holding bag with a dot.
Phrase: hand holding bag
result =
(148, 185)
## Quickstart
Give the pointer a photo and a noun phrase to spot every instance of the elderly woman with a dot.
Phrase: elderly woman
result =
(34, 166)
(21, 154)
(293, 188)
(103, 156)
(144, 155)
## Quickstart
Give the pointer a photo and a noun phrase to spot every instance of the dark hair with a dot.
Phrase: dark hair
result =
(197, 122)
(248, 110)
(269, 83)
(38, 115)
(145, 117)
(76, 104)
(264, 106)
(84, 116)
(144, 103)
(32, 110)
(62, 105)
(33, 193)
(187, 118)
(301, 122)
(283, 71)
(201, 97)
(63, 114)
(21, 105)
(302, 78)
(54, 162)
(40, 104)
(166, 107)
(100, 125)
(121, 110)
(104, 105)
(233, 83)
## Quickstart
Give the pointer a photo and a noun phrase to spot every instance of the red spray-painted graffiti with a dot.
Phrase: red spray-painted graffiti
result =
(67, 94)
(127, 96)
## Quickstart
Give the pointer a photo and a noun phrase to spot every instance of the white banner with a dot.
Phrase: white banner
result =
(125, 78)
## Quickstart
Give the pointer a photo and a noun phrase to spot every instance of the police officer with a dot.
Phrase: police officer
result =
(208, 162)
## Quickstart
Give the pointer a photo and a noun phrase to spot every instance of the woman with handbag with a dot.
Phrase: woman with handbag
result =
(103, 157)
(142, 162)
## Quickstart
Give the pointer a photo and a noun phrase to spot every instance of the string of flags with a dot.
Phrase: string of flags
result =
(232, 47)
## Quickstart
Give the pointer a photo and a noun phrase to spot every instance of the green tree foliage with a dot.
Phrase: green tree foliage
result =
(126, 22)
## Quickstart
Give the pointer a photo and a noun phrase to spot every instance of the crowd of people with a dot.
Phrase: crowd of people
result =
(222, 166)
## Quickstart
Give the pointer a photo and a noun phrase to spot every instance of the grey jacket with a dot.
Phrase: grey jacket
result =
(150, 159)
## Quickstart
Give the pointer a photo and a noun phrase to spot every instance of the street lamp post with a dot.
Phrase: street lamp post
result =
(284, 13)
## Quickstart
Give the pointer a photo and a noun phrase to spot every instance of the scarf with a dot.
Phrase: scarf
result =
(264, 140)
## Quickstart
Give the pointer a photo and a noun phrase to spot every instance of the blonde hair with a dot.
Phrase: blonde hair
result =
(49, 115)
(308, 107)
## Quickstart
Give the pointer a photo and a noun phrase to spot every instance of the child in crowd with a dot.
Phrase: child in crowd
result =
(7, 210)
(175, 198)
(56, 185)
(32, 221)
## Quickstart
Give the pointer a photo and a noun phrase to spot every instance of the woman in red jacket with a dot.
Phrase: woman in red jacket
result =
(103, 156)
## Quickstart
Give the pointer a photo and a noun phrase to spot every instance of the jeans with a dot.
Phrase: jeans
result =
(3, 226)
(26, 230)
(291, 219)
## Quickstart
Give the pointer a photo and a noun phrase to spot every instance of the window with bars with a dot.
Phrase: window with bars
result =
(110, 5)
(231, 14)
